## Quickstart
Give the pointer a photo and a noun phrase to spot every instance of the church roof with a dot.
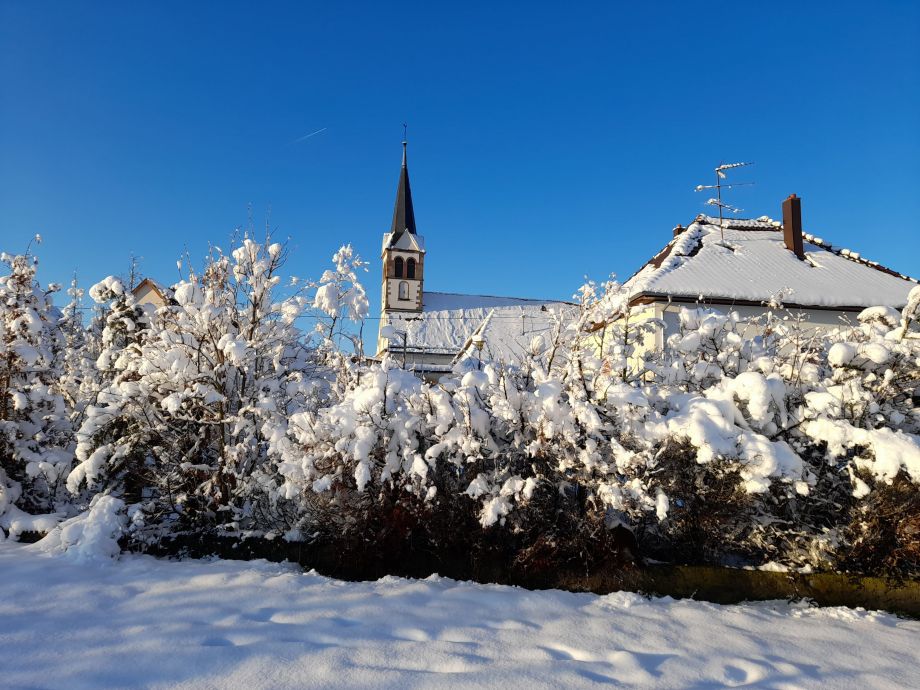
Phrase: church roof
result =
(403, 213)
(752, 265)
(448, 321)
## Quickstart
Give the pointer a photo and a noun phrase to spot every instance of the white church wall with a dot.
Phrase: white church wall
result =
(413, 298)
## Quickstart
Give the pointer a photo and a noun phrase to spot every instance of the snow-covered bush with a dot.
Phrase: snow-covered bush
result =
(519, 447)
(736, 441)
(197, 390)
(440, 465)
(794, 433)
(740, 441)
(90, 536)
(35, 433)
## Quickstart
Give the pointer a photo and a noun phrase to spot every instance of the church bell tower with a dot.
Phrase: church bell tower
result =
(403, 254)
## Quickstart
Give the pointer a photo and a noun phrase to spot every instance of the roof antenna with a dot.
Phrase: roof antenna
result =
(718, 186)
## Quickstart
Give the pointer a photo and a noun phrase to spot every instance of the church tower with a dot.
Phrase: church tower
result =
(403, 255)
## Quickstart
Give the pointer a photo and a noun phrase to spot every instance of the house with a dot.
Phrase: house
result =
(743, 265)
(151, 292)
(431, 331)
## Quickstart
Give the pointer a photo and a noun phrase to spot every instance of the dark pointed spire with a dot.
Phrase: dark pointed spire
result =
(403, 214)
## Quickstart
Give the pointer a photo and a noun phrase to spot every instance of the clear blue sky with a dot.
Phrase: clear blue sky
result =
(547, 141)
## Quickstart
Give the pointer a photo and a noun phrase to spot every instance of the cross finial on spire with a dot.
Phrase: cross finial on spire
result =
(405, 142)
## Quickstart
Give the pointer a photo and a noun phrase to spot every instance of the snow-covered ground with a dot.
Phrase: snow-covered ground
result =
(142, 622)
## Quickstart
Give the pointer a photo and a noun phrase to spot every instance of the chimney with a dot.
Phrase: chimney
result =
(679, 229)
(792, 225)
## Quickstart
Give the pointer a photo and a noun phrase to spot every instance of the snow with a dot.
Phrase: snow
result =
(16, 521)
(105, 287)
(449, 301)
(753, 264)
(894, 450)
(508, 325)
(90, 536)
(841, 354)
(142, 622)
(404, 240)
(340, 294)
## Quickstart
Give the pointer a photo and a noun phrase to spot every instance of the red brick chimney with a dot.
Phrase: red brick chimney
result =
(792, 225)
(679, 229)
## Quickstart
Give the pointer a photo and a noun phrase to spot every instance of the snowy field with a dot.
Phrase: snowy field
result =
(142, 622)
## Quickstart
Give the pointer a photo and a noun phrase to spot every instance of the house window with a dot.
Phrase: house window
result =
(410, 269)
(399, 267)
(404, 290)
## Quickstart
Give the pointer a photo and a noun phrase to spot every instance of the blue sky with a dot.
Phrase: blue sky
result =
(547, 141)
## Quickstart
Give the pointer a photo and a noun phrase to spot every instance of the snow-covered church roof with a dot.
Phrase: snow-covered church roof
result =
(447, 323)
(752, 265)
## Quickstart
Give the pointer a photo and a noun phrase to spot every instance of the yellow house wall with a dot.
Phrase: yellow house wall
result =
(145, 294)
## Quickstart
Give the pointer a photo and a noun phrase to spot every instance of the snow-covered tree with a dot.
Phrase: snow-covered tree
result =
(340, 298)
(35, 433)
(197, 393)
(78, 382)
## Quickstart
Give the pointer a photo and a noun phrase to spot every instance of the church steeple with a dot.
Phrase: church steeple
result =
(403, 213)
(403, 254)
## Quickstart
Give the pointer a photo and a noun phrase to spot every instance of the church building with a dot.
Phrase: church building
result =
(431, 331)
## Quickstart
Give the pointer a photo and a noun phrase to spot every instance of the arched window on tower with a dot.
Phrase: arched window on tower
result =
(399, 267)
(403, 289)
(410, 269)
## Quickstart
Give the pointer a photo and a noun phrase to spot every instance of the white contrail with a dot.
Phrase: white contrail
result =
(311, 134)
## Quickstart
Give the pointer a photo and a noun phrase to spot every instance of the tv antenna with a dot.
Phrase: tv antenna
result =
(719, 186)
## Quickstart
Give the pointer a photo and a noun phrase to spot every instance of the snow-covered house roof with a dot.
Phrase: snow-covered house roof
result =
(447, 323)
(752, 265)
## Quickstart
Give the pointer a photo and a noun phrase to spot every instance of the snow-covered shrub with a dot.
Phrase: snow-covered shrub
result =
(519, 448)
(740, 441)
(733, 441)
(35, 432)
(882, 532)
(90, 536)
(814, 425)
(197, 391)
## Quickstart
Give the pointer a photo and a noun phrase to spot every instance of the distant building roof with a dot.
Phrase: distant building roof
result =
(752, 265)
(147, 286)
(448, 322)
